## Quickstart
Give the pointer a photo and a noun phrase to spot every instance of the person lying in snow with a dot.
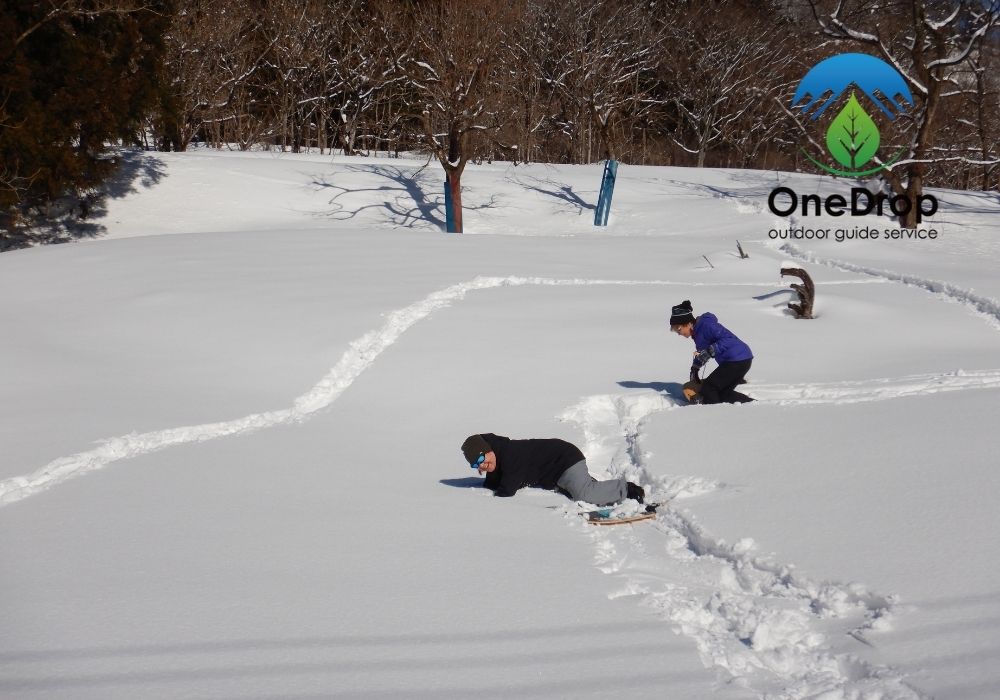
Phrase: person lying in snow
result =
(510, 465)
(712, 339)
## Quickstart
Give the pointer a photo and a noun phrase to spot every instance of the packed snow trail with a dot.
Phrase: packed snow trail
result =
(758, 621)
(875, 389)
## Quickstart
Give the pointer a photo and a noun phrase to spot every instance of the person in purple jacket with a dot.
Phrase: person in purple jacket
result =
(713, 340)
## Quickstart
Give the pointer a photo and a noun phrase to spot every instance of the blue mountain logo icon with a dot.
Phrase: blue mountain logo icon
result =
(853, 137)
(873, 76)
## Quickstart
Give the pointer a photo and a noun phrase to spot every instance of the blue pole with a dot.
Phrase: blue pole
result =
(607, 190)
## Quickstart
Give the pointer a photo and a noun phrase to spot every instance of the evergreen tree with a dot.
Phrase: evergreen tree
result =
(74, 77)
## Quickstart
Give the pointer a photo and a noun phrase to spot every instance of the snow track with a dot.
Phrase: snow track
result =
(757, 621)
(876, 389)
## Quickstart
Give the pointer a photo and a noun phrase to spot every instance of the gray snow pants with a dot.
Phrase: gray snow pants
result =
(581, 486)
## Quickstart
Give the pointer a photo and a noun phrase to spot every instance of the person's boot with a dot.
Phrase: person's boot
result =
(634, 491)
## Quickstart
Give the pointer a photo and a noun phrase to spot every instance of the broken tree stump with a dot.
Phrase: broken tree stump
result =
(806, 292)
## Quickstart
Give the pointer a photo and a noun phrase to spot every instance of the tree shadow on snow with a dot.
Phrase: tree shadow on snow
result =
(74, 217)
(404, 201)
(135, 168)
(965, 202)
(558, 190)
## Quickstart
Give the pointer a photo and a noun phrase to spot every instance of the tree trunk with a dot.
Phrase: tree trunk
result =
(350, 136)
(981, 90)
(914, 191)
(605, 136)
(321, 131)
(455, 188)
(703, 144)
(454, 144)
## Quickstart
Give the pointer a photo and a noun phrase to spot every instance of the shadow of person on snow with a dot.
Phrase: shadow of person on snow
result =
(675, 390)
(466, 482)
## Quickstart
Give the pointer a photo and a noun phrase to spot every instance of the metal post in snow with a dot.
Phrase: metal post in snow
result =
(607, 190)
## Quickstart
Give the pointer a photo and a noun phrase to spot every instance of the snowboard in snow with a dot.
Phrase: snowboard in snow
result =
(607, 515)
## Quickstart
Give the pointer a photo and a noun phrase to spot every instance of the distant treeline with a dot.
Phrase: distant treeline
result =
(656, 82)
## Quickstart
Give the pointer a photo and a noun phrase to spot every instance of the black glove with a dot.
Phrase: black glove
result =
(701, 357)
(634, 491)
(694, 375)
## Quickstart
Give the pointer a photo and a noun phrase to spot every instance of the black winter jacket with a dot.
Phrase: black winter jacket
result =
(536, 462)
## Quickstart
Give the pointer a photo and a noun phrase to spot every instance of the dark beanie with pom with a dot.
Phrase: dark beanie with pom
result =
(682, 314)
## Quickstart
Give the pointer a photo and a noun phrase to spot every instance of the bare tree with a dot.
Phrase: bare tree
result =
(245, 89)
(723, 66)
(570, 80)
(600, 57)
(928, 42)
(451, 65)
(189, 65)
(528, 102)
(215, 61)
(289, 27)
(366, 73)
(977, 121)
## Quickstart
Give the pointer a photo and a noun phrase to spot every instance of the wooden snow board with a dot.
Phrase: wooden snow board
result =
(595, 517)
(603, 516)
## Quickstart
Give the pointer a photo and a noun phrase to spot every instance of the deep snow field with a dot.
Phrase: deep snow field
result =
(231, 422)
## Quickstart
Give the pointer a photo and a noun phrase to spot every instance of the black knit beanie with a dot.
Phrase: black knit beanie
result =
(682, 314)
(474, 446)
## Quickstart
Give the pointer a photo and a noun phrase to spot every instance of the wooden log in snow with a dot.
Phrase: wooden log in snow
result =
(806, 292)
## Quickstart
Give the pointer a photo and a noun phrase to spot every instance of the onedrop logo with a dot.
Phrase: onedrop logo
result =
(852, 137)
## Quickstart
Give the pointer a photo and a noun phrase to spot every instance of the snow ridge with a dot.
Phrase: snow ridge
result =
(759, 622)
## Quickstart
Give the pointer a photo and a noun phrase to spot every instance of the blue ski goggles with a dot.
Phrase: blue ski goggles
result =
(478, 462)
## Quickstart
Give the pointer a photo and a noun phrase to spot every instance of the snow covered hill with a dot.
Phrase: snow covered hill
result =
(230, 454)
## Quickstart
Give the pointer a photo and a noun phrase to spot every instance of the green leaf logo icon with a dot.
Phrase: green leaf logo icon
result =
(852, 137)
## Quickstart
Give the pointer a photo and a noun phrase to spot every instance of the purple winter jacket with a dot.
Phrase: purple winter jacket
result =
(728, 348)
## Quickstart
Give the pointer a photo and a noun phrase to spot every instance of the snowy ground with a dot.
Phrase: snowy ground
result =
(231, 465)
